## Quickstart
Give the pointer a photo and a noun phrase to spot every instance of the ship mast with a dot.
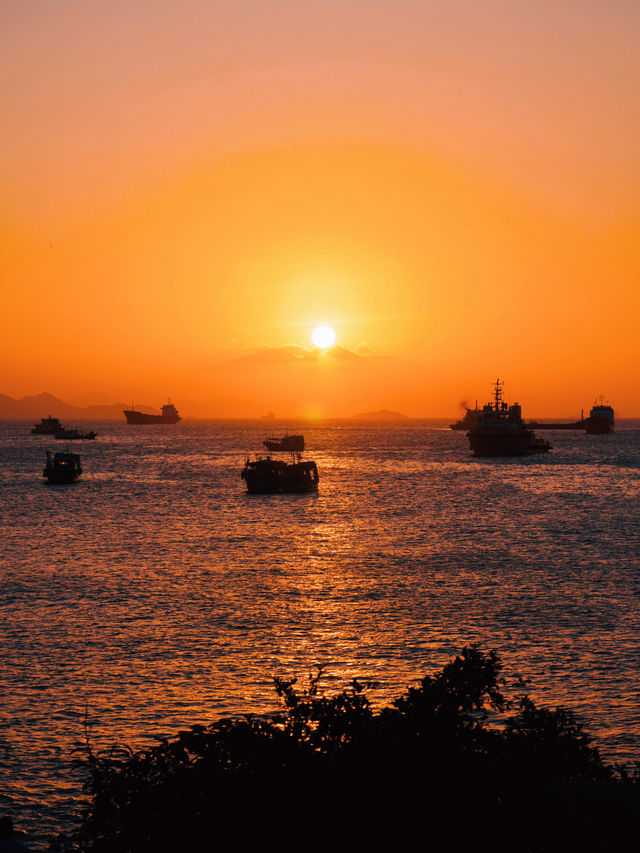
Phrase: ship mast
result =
(498, 394)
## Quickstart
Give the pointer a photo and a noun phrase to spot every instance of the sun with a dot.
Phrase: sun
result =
(323, 337)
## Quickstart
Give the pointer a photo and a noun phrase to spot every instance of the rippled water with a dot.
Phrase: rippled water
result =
(159, 594)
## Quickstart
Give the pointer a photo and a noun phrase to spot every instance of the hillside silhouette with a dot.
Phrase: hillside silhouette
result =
(465, 755)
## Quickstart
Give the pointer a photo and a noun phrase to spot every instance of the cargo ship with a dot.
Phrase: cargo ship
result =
(500, 430)
(600, 420)
(581, 424)
(169, 416)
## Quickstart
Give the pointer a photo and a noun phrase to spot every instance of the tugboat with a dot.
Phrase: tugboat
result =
(470, 419)
(74, 434)
(47, 426)
(291, 443)
(600, 420)
(63, 468)
(500, 431)
(270, 476)
(169, 416)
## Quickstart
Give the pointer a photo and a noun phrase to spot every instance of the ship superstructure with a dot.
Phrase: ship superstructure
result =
(470, 419)
(47, 426)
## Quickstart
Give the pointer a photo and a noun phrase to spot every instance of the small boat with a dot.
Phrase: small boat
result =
(75, 434)
(47, 426)
(290, 443)
(270, 476)
(169, 416)
(62, 468)
(501, 431)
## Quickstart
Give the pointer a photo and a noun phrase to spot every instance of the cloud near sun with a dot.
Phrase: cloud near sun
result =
(292, 353)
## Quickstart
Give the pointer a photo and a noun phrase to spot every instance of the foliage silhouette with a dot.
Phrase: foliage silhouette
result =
(465, 755)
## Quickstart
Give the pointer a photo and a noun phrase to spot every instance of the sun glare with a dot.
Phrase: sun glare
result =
(323, 337)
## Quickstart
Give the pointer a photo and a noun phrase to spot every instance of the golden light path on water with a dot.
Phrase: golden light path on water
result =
(159, 594)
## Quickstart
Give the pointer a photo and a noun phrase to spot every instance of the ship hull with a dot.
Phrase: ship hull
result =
(260, 485)
(74, 435)
(291, 444)
(598, 426)
(576, 425)
(139, 418)
(61, 478)
(493, 443)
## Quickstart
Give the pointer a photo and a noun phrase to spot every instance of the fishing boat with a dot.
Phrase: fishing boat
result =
(270, 476)
(289, 443)
(62, 468)
(47, 426)
(75, 435)
(500, 431)
(169, 416)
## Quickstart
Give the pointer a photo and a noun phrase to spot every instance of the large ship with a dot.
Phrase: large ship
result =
(581, 424)
(600, 420)
(470, 419)
(500, 430)
(169, 416)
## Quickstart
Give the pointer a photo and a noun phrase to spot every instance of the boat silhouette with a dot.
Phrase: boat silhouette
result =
(600, 420)
(289, 443)
(270, 476)
(500, 430)
(62, 468)
(47, 426)
(169, 416)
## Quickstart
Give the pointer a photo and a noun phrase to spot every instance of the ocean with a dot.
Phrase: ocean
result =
(155, 593)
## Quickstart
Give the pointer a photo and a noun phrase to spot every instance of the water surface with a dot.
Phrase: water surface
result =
(157, 594)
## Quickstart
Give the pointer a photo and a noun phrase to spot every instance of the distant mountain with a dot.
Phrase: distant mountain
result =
(41, 405)
(380, 415)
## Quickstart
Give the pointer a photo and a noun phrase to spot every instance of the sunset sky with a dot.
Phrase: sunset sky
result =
(190, 188)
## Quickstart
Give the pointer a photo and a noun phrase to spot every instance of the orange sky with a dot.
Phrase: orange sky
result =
(188, 189)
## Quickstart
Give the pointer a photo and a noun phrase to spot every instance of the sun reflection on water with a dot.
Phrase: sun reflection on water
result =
(160, 594)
